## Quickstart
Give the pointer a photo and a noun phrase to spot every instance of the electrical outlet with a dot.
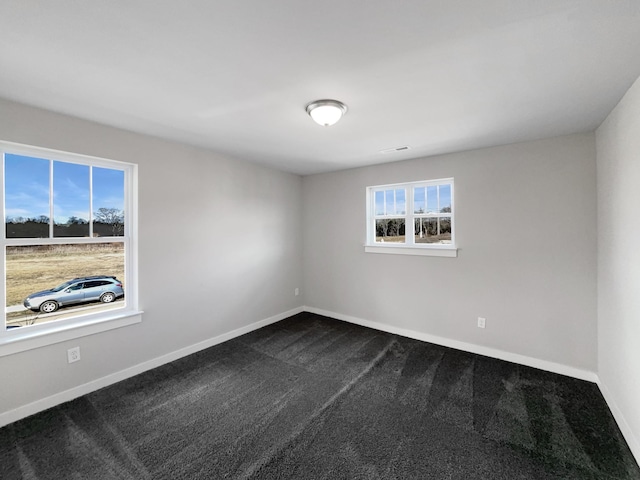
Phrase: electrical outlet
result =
(481, 322)
(296, 292)
(73, 354)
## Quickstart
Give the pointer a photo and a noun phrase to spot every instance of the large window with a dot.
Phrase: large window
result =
(412, 218)
(68, 242)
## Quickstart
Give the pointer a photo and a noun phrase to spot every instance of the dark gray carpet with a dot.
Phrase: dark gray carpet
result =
(315, 398)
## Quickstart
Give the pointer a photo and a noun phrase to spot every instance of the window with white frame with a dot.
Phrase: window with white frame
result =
(68, 242)
(414, 217)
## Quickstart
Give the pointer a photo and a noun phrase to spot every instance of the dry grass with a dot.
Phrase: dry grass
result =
(390, 239)
(31, 269)
(444, 238)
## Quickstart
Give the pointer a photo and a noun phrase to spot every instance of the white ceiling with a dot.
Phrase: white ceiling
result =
(235, 76)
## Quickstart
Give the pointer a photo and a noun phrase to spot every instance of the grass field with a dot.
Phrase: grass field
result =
(444, 238)
(34, 268)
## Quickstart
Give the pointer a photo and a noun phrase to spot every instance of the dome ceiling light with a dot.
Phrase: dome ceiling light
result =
(326, 112)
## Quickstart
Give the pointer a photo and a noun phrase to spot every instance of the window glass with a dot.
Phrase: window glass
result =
(390, 202)
(444, 195)
(432, 199)
(419, 200)
(37, 268)
(108, 202)
(389, 208)
(433, 230)
(401, 203)
(26, 194)
(390, 230)
(379, 199)
(70, 200)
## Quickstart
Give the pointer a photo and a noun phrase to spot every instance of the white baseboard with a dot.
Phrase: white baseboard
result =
(467, 347)
(75, 392)
(627, 432)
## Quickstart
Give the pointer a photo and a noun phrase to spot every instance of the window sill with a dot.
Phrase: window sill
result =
(29, 339)
(442, 251)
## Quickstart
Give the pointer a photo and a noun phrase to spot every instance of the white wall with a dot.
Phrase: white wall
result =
(220, 248)
(618, 167)
(526, 231)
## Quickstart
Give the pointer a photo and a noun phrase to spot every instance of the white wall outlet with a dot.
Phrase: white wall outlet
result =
(481, 322)
(73, 354)
(296, 292)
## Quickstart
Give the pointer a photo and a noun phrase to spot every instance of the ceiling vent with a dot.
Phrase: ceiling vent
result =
(396, 149)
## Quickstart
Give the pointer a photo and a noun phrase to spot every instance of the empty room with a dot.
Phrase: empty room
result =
(320, 240)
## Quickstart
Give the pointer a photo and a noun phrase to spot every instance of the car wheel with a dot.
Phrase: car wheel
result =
(49, 306)
(107, 297)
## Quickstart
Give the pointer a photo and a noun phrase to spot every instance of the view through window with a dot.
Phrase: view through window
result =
(416, 214)
(66, 238)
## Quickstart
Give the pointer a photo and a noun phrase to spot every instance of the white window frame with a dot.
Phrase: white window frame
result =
(409, 247)
(38, 335)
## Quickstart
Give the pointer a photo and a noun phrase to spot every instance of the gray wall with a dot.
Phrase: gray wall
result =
(618, 141)
(239, 237)
(219, 241)
(526, 232)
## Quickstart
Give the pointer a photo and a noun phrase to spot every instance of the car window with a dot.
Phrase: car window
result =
(61, 287)
(77, 286)
(95, 283)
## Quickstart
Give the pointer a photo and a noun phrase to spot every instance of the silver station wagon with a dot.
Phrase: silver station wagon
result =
(101, 288)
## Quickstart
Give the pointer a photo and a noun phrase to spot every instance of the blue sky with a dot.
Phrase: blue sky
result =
(425, 200)
(27, 188)
(430, 194)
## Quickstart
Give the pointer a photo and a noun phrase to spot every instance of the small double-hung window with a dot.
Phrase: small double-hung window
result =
(415, 218)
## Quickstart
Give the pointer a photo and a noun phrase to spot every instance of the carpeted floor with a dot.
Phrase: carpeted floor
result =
(316, 398)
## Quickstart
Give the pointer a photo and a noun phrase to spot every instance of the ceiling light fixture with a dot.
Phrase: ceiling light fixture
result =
(326, 112)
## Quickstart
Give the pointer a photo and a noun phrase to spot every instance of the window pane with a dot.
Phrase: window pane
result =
(390, 230)
(108, 202)
(70, 200)
(433, 230)
(391, 202)
(445, 199)
(379, 203)
(432, 199)
(401, 202)
(33, 269)
(419, 200)
(26, 197)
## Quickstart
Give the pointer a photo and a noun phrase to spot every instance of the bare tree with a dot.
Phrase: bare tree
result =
(111, 216)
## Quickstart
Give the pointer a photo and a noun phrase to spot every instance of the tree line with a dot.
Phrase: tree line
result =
(395, 227)
(106, 222)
